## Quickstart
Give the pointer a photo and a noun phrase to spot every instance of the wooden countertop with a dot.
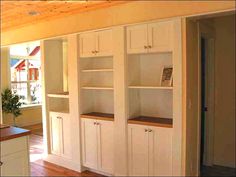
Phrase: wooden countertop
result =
(12, 132)
(152, 121)
(98, 116)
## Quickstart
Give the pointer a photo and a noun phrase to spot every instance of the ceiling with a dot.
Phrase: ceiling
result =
(15, 14)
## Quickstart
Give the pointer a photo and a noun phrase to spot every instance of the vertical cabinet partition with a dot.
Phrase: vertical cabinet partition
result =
(97, 100)
(150, 103)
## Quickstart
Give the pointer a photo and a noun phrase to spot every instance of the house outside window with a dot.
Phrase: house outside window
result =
(26, 74)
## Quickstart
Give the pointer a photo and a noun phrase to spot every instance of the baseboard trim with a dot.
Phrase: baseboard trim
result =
(60, 161)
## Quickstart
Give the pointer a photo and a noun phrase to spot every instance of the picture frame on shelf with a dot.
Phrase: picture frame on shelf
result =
(166, 76)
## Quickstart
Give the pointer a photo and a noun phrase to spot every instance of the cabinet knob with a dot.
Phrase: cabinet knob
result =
(93, 51)
(149, 46)
(145, 47)
(149, 130)
(146, 130)
(95, 123)
(59, 117)
(1, 163)
(96, 51)
(98, 123)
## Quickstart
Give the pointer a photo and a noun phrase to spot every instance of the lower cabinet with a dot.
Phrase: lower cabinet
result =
(60, 134)
(97, 145)
(150, 150)
(14, 159)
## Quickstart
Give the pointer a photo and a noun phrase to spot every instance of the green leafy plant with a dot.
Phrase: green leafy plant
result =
(11, 104)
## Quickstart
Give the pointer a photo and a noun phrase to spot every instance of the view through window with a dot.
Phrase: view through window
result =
(26, 72)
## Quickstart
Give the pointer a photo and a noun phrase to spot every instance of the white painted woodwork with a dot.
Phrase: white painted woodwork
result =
(150, 38)
(105, 146)
(160, 146)
(97, 143)
(60, 134)
(87, 44)
(15, 157)
(138, 150)
(55, 135)
(150, 150)
(96, 44)
(89, 143)
(137, 39)
(160, 36)
(104, 43)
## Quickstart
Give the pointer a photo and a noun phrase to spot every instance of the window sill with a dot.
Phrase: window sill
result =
(31, 106)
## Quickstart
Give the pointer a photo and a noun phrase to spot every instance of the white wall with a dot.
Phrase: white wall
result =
(224, 127)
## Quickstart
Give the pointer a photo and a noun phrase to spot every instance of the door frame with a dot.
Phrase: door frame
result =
(207, 32)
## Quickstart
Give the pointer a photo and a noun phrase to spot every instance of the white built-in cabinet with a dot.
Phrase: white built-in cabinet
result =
(95, 44)
(150, 150)
(150, 38)
(14, 155)
(97, 144)
(60, 134)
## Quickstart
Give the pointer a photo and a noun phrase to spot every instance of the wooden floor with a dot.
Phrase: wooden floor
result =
(43, 168)
(217, 171)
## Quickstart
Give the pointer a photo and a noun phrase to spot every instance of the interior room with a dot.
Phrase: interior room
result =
(117, 88)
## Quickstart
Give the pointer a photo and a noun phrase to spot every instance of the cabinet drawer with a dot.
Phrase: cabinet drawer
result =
(14, 145)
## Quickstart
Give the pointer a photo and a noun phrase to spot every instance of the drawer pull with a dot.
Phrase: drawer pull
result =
(1, 163)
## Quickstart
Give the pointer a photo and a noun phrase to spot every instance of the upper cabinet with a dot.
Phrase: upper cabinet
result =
(150, 38)
(96, 44)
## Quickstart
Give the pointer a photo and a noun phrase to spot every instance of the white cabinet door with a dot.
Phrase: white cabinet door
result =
(137, 39)
(161, 147)
(105, 146)
(89, 143)
(138, 150)
(66, 136)
(87, 44)
(160, 36)
(55, 126)
(16, 164)
(104, 43)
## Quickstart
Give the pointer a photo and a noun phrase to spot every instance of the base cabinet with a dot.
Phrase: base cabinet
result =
(150, 151)
(97, 145)
(60, 134)
(14, 159)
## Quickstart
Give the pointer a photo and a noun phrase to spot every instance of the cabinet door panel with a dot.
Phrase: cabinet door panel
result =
(16, 164)
(89, 143)
(137, 39)
(105, 146)
(138, 150)
(87, 44)
(160, 36)
(66, 137)
(104, 43)
(162, 151)
(55, 135)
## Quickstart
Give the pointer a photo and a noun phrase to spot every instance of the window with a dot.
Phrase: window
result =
(26, 73)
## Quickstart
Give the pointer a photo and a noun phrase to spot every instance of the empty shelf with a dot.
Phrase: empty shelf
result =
(97, 70)
(59, 95)
(99, 116)
(152, 121)
(97, 88)
(150, 87)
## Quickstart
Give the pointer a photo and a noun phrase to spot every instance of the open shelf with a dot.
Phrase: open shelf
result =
(97, 88)
(97, 70)
(60, 111)
(99, 116)
(152, 121)
(59, 95)
(150, 87)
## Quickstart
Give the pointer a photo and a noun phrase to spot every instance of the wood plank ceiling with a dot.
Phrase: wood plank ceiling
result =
(15, 14)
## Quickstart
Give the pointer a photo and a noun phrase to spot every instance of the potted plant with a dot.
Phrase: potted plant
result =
(11, 104)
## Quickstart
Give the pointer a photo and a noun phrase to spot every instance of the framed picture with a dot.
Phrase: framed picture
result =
(167, 76)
